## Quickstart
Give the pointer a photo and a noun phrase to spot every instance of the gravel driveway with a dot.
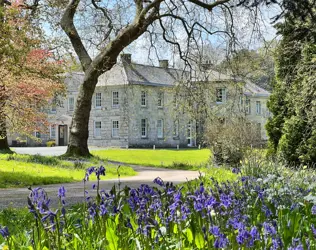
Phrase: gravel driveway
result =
(17, 197)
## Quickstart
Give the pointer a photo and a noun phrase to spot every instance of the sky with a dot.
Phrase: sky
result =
(144, 54)
(248, 39)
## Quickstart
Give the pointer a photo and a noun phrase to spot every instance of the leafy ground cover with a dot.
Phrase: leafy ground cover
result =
(29, 170)
(266, 206)
(168, 158)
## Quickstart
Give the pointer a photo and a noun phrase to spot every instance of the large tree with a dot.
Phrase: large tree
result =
(125, 21)
(292, 130)
(111, 26)
(28, 74)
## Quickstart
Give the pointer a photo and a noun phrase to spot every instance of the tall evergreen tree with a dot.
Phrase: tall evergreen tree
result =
(292, 130)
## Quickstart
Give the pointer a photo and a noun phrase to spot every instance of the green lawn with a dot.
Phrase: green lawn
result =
(169, 158)
(24, 170)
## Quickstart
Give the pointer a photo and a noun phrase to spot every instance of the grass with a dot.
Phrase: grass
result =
(192, 159)
(25, 170)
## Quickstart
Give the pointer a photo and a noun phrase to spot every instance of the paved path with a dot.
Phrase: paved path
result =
(53, 151)
(17, 197)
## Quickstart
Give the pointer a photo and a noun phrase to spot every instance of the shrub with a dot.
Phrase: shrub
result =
(230, 139)
(51, 144)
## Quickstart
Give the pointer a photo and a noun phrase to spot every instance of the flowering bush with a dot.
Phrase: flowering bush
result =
(263, 211)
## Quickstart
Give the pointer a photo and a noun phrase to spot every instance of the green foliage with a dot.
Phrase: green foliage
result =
(256, 65)
(267, 205)
(291, 130)
(230, 141)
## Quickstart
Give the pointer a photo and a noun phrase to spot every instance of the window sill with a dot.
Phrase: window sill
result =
(115, 106)
(176, 138)
(160, 138)
(115, 137)
(145, 137)
(160, 107)
(98, 108)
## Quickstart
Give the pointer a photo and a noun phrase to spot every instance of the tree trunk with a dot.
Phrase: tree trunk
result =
(79, 129)
(4, 146)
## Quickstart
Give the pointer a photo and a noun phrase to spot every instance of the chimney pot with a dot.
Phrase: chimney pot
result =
(163, 63)
(127, 58)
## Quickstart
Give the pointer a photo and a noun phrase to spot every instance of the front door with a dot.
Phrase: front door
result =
(189, 134)
(62, 135)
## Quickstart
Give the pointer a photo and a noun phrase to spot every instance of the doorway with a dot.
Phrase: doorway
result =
(189, 134)
(62, 135)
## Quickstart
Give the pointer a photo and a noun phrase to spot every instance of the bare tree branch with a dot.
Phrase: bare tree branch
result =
(67, 24)
(210, 6)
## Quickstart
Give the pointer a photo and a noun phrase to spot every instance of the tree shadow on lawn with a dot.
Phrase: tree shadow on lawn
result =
(22, 179)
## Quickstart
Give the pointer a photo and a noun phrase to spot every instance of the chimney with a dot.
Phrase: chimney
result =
(127, 58)
(206, 65)
(163, 63)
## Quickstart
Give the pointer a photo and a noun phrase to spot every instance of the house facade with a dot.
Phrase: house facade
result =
(138, 105)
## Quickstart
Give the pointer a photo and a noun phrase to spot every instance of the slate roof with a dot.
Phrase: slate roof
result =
(251, 89)
(148, 75)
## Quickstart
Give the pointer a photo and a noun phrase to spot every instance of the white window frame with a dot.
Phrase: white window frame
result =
(115, 99)
(71, 106)
(160, 99)
(51, 134)
(143, 98)
(258, 108)
(115, 128)
(98, 100)
(248, 106)
(176, 128)
(241, 103)
(160, 128)
(53, 108)
(97, 131)
(222, 95)
(143, 128)
(175, 101)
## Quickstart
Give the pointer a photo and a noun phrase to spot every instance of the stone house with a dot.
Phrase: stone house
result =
(136, 105)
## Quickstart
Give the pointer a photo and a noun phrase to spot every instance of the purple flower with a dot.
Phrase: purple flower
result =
(276, 243)
(269, 229)
(4, 231)
(159, 182)
(313, 230)
(215, 231)
(226, 200)
(103, 210)
(62, 192)
(221, 242)
(255, 233)
(242, 236)
(236, 170)
(100, 171)
(314, 210)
